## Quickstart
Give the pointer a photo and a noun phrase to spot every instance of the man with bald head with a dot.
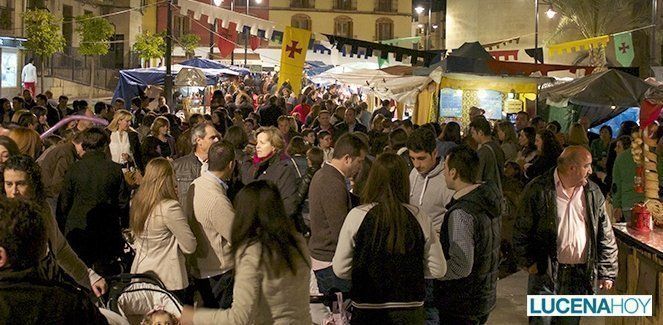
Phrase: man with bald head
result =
(563, 236)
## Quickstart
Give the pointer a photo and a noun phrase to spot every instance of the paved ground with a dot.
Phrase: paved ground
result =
(511, 303)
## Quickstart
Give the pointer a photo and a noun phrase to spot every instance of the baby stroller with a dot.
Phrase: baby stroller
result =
(134, 295)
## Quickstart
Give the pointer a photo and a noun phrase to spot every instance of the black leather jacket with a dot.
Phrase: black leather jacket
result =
(535, 233)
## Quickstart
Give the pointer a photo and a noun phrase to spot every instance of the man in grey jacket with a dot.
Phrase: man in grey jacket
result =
(428, 191)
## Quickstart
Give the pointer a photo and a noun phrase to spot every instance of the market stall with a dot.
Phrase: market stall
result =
(133, 82)
(600, 97)
(640, 242)
(190, 83)
(499, 96)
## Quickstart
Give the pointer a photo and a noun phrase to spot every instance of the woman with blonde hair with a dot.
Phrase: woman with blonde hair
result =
(271, 162)
(159, 143)
(124, 143)
(577, 136)
(162, 234)
(28, 141)
(508, 140)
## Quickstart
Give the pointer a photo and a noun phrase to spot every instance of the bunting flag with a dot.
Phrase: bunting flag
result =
(535, 53)
(505, 42)
(574, 46)
(399, 52)
(293, 56)
(382, 62)
(504, 55)
(624, 48)
(226, 40)
(254, 42)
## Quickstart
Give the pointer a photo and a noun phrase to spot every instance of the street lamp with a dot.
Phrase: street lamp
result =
(419, 10)
(246, 35)
(551, 14)
(218, 2)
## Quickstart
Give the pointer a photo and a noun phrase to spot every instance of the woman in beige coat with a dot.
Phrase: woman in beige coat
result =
(162, 234)
(272, 265)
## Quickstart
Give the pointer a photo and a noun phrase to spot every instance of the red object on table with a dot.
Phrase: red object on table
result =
(638, 184)
(641, 218)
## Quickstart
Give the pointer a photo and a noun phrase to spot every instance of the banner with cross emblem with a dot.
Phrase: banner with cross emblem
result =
(293, 56)
(624, 48)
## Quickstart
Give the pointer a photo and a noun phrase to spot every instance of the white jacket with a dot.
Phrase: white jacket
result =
(29, 73)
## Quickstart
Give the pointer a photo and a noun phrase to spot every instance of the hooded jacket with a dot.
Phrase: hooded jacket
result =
(475, 294)
(430, 193)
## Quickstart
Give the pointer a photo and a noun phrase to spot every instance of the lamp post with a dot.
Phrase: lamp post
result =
(246, 34)
(551, 14)
(427, 31)
(168, 79)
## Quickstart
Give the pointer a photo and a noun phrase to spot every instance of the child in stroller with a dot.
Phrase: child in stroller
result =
(136, 295)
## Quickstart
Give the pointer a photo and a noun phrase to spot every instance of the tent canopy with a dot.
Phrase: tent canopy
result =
(602, 89)
(361, 77)
(599, 97)
(134, 81)
(211, 64)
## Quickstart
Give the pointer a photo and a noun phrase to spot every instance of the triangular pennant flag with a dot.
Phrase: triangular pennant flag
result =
(624, 48)
(254, 42)
(382, 61)
(535, 53)
(226, 39)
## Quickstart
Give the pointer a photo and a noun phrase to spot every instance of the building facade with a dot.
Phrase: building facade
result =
(370, 20)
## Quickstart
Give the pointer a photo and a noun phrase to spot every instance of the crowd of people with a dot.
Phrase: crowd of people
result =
(247, 212)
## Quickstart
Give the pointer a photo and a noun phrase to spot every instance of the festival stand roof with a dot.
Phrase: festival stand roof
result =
(599, 96)
(211, 64)
(134, 81)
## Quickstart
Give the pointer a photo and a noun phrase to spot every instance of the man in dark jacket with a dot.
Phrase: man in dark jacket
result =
(94, 202)
(470, 236)
(191, 166)
(25, 296)
(270, 113)
(330, 202)
(562, 235)
(350, 123)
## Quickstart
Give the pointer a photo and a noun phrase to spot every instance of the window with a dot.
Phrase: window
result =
(301, 21)
(343, 26)
(310, 4)
(345, 4)
(384, 29)
(180, 25)
(386, 5)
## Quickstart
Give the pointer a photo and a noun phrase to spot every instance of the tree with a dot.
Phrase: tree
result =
(150, 46)
(593, 18)
(189, 43)
(95, 34)
(42, 30)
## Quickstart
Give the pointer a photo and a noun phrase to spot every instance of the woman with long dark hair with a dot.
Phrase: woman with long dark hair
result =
(449, 138)
(526, 139)
(548, 150)
(387, 248)
(272, 264)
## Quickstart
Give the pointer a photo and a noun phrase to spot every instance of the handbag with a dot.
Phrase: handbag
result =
(339, 315)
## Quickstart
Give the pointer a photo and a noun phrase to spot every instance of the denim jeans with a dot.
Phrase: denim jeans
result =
(329, 283)
(570, 281)
(217, 291)
(432, 314)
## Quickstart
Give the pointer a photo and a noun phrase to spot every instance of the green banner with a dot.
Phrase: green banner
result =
(624, 52)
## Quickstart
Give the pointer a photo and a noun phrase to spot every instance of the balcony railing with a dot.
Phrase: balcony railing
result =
(306, 4)
(77, 68)
(345, 5)
(386, 6)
